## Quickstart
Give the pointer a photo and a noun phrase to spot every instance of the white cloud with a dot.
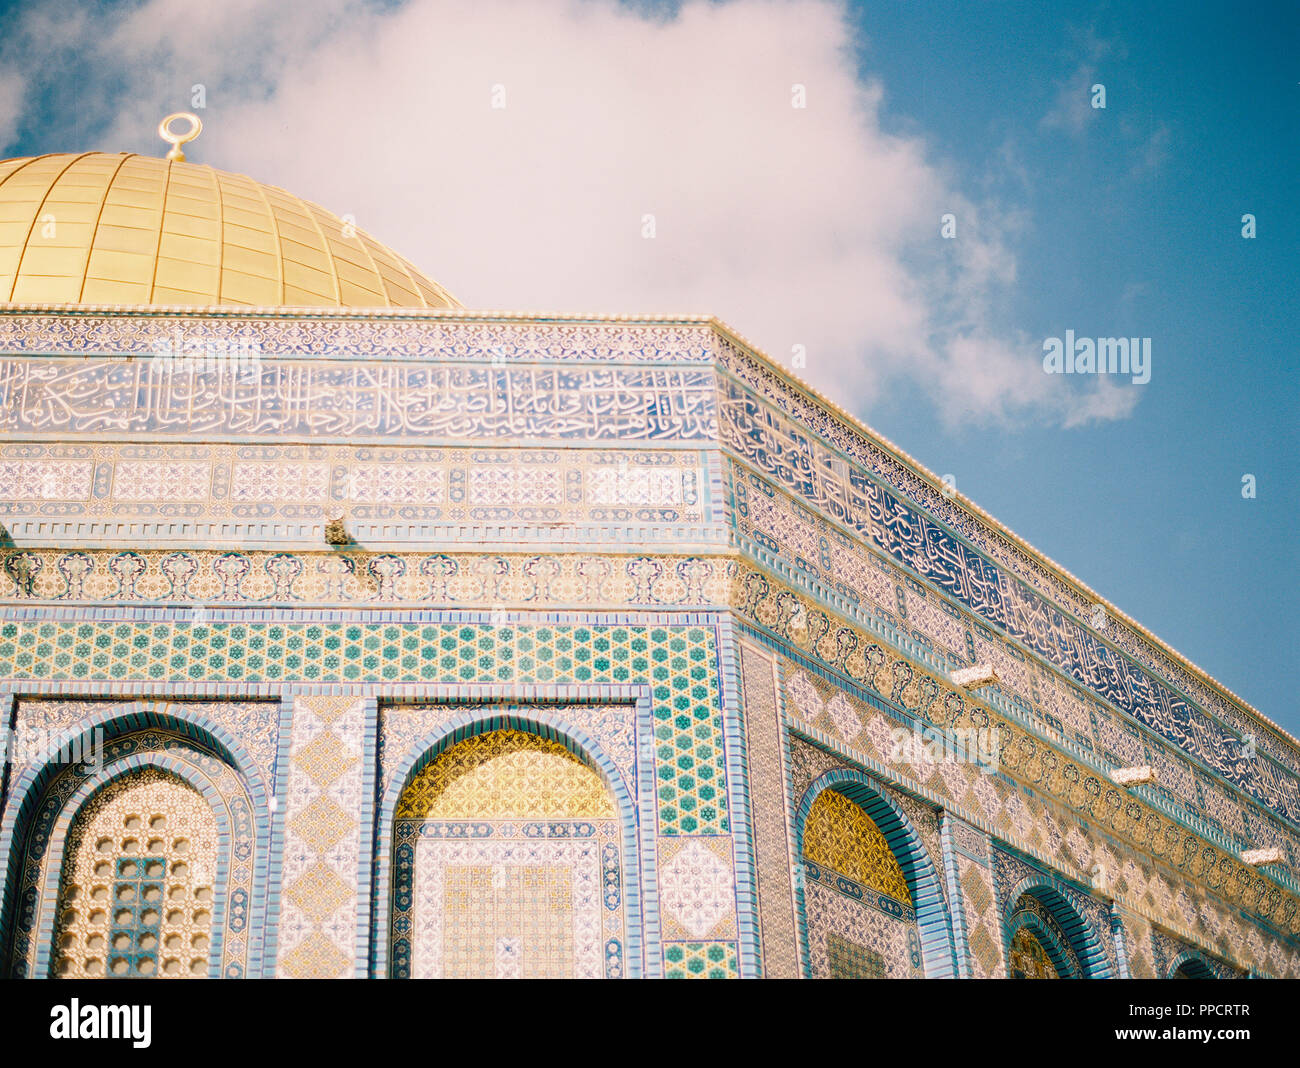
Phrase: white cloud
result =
(810, 227)
(1072, 108)
(13, 87)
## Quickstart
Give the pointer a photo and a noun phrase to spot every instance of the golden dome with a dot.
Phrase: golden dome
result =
(125, 229)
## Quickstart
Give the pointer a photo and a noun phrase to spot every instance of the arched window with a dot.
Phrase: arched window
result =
(507, 859)
(860, 916)
(1045, 937)
(136, 887)
(1028, 958)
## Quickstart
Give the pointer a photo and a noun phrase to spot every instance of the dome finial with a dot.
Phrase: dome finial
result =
(178, 139)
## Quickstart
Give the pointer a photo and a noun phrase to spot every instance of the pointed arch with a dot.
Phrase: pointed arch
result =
(1057, 899)
(547, 727)
(1063, 961)
(133, 736)
(933, 923)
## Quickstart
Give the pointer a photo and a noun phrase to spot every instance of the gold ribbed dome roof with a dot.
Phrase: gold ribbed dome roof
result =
(97, 228)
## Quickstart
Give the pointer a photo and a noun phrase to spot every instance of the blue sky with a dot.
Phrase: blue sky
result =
(821, 227)
(1148, 509)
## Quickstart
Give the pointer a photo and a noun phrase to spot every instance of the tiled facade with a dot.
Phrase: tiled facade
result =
(613, 676)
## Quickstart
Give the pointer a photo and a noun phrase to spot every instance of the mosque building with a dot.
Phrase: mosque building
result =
(347, 632)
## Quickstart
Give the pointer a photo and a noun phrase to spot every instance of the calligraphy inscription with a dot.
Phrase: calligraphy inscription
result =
(881, 461)
(800, 464)
(285, 398)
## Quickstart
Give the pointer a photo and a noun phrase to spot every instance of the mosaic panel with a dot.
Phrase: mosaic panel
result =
(809, 762)
(492, 900)
(43, 480)
(206, 578)
(376, 402)
(772, 843)
(848, 961)
(777, 448)
(255, 724)
(108, 487)
(839, 835)
(697, 888)
(1137, 943)
(832, 913)
(171, 479)
(136, 894)
(1009, 871)
(507, 861)
(978, 900)
(403, 726)
(1029, 960)
(677, 663)
(1165, 950)
(322, 848)
(700, 960)
(1056, 792)
(881, 462)
(506, 775)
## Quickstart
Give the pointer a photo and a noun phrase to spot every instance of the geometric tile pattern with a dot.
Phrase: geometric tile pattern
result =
(1009, 871)
(700, 960)
(209, 577)
(1137, 942)
(1046, 822)
(508, 865)
(255, 723)
(840, 836)
(319, 900)
(834, 917)
(1165, 949)
(855, 891)
(500, 900)
(979, 901)
(1029, 960)
(809, 762)
(674, 661)
(119, 484)
(44, 480)
(506, 774)
(697, 891)
(768, 798)
(847, 961)
(403, 725)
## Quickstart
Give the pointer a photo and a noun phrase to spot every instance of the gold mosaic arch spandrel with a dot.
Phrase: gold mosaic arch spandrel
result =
(1029, 958)
(507, 774)
(839, 835)
(137, 885)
